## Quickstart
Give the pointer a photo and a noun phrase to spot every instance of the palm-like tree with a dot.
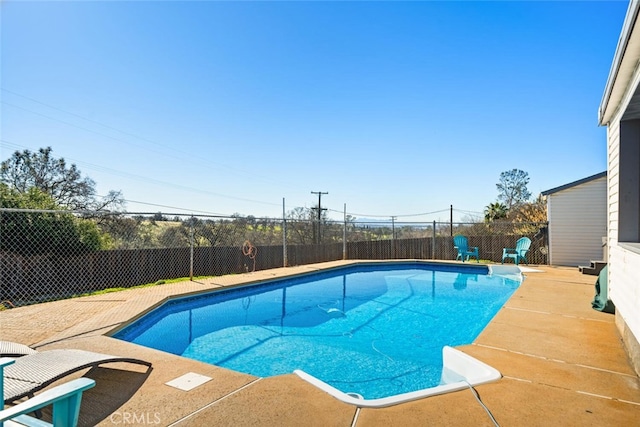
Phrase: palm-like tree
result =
(495, 211)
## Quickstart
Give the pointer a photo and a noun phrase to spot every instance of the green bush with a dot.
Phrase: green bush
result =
(45, 231)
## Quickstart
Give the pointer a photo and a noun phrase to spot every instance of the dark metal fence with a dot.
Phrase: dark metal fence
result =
(46, 255)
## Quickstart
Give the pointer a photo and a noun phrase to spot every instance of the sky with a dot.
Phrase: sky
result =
(392, 108)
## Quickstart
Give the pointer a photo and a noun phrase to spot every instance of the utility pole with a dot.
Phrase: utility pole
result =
(393, 228)
(451, 220)
(320, 209)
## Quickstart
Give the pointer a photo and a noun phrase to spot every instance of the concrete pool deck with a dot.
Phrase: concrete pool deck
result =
(562, 362)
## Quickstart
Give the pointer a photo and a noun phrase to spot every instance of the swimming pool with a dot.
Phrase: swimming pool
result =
(365, 332)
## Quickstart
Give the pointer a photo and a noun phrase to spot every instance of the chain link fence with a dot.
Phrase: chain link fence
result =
(48, 255)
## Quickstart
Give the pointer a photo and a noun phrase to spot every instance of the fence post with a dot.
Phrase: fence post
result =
(433, 242)
(191, 250)
(344, 234)
(284, 235)
(393, 237)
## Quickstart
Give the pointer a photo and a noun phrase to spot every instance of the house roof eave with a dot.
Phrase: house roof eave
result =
(575, 183)
(622, 67)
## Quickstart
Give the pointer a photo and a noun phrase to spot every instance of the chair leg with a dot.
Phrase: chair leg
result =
(66, 411)
(38, 412)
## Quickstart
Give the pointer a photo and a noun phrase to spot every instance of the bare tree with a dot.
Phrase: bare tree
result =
(512, 188)
(300, 226)
(65, 184)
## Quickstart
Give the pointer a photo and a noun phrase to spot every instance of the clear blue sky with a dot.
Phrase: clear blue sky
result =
(393, 108)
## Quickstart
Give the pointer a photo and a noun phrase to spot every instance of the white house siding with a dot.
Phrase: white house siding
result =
(577, 223)
(623, 286)
(624, 265)
(613, 176)
(623, 165)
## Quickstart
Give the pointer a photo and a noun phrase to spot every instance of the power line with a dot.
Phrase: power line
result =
(468, 212)
(77, 126)
(154, 181)
(175, 207)
(86, 118)
(234, 170)
(178, 186)
(111, 171)
(388, 216)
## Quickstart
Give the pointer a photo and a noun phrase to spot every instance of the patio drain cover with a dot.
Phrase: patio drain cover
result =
(188, 381)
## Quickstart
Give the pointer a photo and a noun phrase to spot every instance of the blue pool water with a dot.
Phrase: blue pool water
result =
(374, 329)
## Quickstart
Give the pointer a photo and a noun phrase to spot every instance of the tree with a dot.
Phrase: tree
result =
(535, 211)
(34, 232)
(158, 217)
(300, 226)
(495, 211)
(64, 184)
(512, 188)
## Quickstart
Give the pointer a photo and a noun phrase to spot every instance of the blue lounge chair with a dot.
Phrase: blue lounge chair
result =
(519, 253)
(65, 400)
(464, 251)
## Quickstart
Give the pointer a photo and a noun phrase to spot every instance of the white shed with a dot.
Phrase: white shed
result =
(620, 113)
(577, 215)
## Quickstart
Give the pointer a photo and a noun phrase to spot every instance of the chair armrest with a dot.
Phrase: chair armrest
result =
(5, 361)
(65, 397)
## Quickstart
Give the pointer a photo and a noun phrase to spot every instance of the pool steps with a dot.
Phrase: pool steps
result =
(459, 371)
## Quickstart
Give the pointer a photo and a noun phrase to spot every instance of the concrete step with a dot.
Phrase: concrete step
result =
(594, 269)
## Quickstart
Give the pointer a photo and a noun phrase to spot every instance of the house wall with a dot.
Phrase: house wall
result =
(577, 223)
(623, 242)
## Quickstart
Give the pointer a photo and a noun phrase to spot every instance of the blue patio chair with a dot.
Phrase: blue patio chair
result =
(519, 253)
(65, 400)
(464, 251)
